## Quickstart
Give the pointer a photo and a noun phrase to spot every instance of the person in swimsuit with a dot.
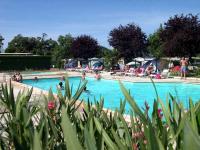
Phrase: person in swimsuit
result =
(183, 64)
(60, 85)
(83, 76)
(97, 75)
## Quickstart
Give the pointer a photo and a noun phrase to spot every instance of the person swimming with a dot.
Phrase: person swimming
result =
(86, 90)
(97, 76)
(36, 79)
(60, 86)
(63, 78)
(83, 76)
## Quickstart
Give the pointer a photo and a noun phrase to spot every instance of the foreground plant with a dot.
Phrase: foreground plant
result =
(64, 122)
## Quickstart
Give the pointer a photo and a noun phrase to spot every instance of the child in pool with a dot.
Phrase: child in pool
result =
(97, 76)
(83, 76)
(60, 86)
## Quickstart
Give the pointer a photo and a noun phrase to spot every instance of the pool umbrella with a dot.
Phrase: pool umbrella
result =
(132, 63)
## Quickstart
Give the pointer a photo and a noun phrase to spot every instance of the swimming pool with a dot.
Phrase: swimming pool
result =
(110, 90)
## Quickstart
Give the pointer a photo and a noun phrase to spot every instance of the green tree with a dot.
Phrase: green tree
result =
(103, 51)
(111, 58)
(39, 45)
(61, 51)
(20, 44)
(155, 44)
(45, 46)
(1, 42)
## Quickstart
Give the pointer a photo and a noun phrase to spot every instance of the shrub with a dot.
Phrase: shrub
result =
(24, 62)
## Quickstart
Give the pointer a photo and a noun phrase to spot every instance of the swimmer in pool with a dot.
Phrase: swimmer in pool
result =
(86, 91)
(60, 86)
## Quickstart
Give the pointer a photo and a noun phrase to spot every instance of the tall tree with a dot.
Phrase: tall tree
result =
(155, 44)
(103, 51)
(21, 44)
(62, 50)
(129, 41)
(181, 35)
(84, 46)
(1, 43)
(45, 46)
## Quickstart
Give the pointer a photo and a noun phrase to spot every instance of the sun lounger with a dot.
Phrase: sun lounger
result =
(165, 73)
(120, 73)
(130, 74)
(70, 69)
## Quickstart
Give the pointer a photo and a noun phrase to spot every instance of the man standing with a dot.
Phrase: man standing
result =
(183, 64)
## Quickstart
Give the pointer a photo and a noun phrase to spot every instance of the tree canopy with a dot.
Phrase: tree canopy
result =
(1, 42)
(39, 45)
(181, 35)
(129, 41)
(84, 46)
(155, 44)
(20, 44)
(62, 49)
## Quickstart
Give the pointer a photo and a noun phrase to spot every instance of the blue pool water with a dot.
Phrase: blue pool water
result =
(112, 94)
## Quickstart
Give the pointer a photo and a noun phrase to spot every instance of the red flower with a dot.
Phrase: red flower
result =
(160, 115)
(51, 105)
(176, 69)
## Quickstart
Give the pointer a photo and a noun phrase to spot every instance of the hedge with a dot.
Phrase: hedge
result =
(17, 62)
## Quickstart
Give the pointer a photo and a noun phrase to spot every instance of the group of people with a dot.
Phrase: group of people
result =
(97, 75)
(17, 77)
(140, 70)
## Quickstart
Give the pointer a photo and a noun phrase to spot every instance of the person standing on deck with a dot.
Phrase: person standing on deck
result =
(183, 64)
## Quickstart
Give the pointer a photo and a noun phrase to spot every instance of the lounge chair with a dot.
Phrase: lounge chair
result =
(70, 69)
(87, 69)
(165, 73)
(140, 72)
(131, 72)
(120, 73)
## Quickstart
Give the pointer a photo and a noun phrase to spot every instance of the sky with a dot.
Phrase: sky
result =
(92, 17)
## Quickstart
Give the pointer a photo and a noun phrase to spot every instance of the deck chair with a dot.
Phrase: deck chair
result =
(165, 73)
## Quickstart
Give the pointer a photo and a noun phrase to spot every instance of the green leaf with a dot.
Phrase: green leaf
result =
(118, 140)
(191, 138)
(167, 117)
(127, 133)
(70, 135)
(132, 103)
(193, 116)
(36, 141)
(79, 91)
(89, 140)
(67, 89)
(106, 137)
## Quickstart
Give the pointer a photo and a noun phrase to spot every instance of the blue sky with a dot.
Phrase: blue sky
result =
(93, 17)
